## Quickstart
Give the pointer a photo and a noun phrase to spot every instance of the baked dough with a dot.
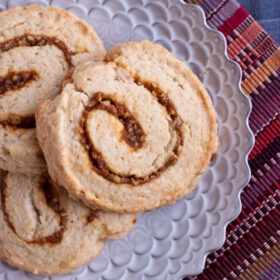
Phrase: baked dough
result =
(45, 232)
(38, 45)
(130, 134)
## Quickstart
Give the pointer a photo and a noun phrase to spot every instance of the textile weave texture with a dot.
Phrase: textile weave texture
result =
(267, 13)
(252, 247)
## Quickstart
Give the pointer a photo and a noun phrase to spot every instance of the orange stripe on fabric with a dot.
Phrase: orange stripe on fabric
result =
(249, 35)
(262, 72)
(198, 2)
(262, 263)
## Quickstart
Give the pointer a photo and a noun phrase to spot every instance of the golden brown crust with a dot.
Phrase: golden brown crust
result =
(45, 232)
(38, 45)
(128, 68)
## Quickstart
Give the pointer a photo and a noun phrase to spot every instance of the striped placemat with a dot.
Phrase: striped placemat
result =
(252, 247)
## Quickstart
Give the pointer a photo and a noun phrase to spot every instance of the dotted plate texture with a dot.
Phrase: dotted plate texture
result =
(171, 242)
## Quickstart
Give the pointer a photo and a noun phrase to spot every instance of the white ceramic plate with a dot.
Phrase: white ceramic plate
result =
(174, 241)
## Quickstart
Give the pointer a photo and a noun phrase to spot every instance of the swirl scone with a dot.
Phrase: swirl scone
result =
(129, 134)
(38, 45)
(46, 232)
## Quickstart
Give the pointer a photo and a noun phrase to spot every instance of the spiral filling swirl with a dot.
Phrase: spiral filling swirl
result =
(13, 80)
(51, 199)
(132, 134)
(31, 40)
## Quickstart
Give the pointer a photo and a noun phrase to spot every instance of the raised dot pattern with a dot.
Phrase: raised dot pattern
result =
(173, 241)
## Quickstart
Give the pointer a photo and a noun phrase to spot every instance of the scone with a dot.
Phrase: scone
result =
(38, 45)
(45, 232)
(132, 133)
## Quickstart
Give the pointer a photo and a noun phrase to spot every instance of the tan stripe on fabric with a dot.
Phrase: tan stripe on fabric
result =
(262, 72)
(262, 264)
(198, 2)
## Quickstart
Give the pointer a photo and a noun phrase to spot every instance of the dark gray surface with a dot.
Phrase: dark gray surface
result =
(267, 13)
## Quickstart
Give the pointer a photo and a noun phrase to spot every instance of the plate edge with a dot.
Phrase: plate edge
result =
(251, 135)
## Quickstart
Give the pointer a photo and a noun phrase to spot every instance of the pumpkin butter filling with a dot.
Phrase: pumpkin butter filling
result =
(132, 134)
(16, 80)
(31, 40)
(52, 200)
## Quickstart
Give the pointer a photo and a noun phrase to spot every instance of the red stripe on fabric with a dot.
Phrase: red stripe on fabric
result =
(264, 215)
(234, 21)
(263, 143)
(265, 137)
(241, 250)
(271, 189)
(239, 44)
(267, 223)
(251, 208)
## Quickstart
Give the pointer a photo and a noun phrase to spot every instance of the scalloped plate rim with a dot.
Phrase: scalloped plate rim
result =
(251, 135)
